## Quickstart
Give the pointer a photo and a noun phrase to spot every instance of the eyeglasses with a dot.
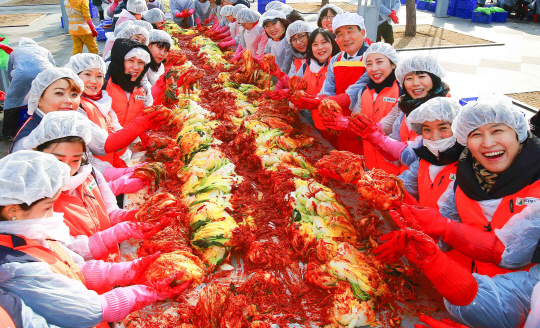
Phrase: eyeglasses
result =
(299, 39)
(328, 18)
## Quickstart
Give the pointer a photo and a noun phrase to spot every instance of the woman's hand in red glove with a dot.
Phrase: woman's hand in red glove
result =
(432, 323)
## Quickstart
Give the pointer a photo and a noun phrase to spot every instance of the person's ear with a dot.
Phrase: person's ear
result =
(363, 33)
(10, 211)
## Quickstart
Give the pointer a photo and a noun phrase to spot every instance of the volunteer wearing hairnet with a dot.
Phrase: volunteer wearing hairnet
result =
(54, 89)
(155, 4)
(81, 27)
(205, 13)
(147, 25)
(135, 32)
(431, 178)
(346, 75)
(155, 16)
(244, 3)
(96, 104)
(235, 27)
(160, 44)
(182, 12)
(61, 291)
(420, 79)
(377, 100)
(129, 62)
(25, 63)
(292, 15)
(388, 11)
(111, 37)
(326, 15)
(275, 25)
(14, 313)
(225, 31)
(133, 12)
(86, 200)
(253, 36)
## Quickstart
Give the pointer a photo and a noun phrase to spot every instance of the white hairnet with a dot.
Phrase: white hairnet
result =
(227, 10)
(346, 19)
(46, 78)
(58, 125)
(138, 53)
(296, 27)
(27, 41)
(247, 16)
(122, 26)
(132, 30)
(154, 16)
(279, 6)
(147, 25)
(237, 8)
(84, 61)
(418, 63)
(160, 36)
(486, 111)
(136, 6)
(381, 48)
(27, 176)
(440, 108)
(329, 6)
(271, 15)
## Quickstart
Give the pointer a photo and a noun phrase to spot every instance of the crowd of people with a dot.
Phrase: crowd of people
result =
(470, 221)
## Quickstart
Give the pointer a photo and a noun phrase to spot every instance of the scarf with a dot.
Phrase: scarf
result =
(479, 184)
(94, 98)
(407, 104)
(449, 156)
(387, 83)
(116, 70)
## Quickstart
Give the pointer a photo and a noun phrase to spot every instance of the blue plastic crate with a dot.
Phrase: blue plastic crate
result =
(499, 17)
(403, 2)
(431, 6)
(421, 5)
(93, 10)
(451, 11)
(465, 101)
(480, 17)
(464, 13)
(468, 5)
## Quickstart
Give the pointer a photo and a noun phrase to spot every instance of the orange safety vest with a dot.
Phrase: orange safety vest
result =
(5, 319)
(106, 123)
(86, 214)
(430, 191)
(346, 73)
(298, 63)
(471, 214)
(377, 110)
(126, 109)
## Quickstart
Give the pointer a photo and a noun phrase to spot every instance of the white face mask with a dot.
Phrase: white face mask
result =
(52, 227)
(438, 146)
(76, 180)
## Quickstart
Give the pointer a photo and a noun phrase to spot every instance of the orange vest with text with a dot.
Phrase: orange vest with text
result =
(126, 109)
(430, 191)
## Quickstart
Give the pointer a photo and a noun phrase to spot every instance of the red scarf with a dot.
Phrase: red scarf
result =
(94, 98)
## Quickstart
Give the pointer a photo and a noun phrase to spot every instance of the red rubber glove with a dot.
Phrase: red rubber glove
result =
(198, 22)
(6, 48)
(123, 138)
(209, 19)
(91, 25)
(2, 96)
(452, 281)
(318, 120)
(363, 126)
(343, 100)
(163, 287)
(444, 323)
(178, 15)
(330, 174)
(279, 94)
(394, 17)
(307, 103)
(338, 122)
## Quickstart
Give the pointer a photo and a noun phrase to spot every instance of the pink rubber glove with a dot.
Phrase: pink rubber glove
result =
(101, 242)
(223, 30)
(118, 216)
(224, 35)
(394, 17)
(338, 122)
(92, 28)
(368, 130)
(100, 274)
(191, 11)
(198, 22)
(228, 39)
(279, 94)
(209, 19)
(223, 45)
(113, 173)
(127, 185)
(120, 302)
(237, 53)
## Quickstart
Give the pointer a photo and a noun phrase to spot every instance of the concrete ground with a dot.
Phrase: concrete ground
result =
(511, 67)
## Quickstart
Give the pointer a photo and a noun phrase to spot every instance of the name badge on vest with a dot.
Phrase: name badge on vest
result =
(452, 177)
(140, 97)
(388, 99)
(525, 201)
(92, 185)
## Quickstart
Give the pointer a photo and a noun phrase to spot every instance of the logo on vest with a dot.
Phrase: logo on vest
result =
(140, 97)
(92, 185)
(452, 177)
(388, 99)
(525, 201)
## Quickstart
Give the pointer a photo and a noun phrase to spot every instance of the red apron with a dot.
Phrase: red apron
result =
(346, 73)
(315, 82)
(471, 214)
